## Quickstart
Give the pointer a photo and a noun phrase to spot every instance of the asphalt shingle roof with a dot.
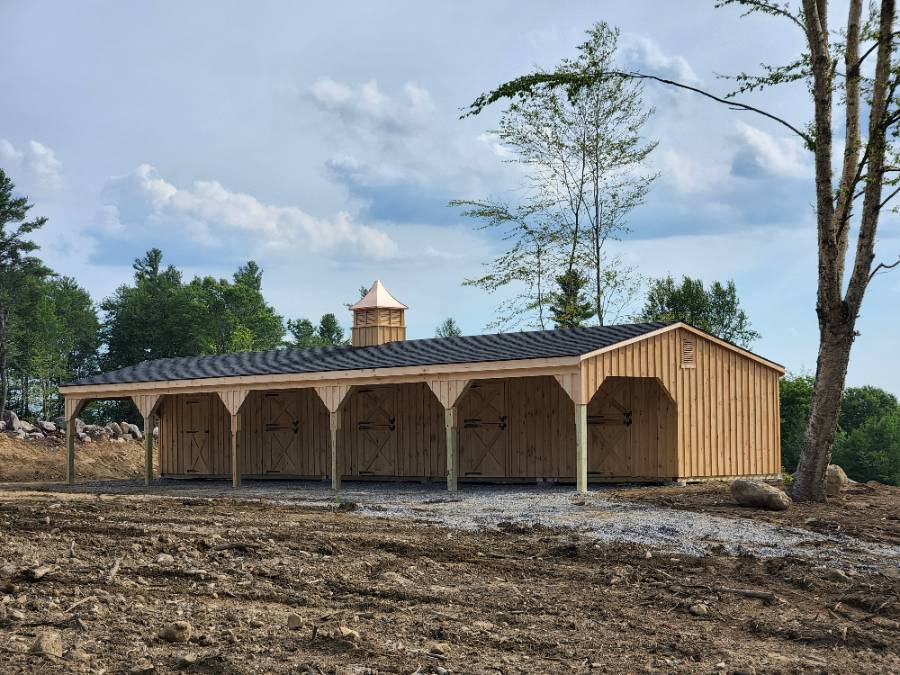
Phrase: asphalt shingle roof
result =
(431, 351)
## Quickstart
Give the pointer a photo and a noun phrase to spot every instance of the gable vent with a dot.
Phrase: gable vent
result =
(687, 352)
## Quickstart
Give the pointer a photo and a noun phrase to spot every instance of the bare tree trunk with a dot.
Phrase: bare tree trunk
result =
(818, 439)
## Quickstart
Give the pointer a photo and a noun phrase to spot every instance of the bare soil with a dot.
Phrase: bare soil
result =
(390, 595)
(45, 459)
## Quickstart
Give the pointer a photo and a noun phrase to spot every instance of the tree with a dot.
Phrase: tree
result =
(872, 450)
(836, 68)
(17, 267)
(236, 316)
(157, 317)
(448, 328)
(583, 154)
(716, 310)
(570, 307)
(861, 404)
(526, 265)
(795, 396)
(328, 333)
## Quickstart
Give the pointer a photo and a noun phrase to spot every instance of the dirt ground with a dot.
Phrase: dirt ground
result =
(46, 459)
(268, 586)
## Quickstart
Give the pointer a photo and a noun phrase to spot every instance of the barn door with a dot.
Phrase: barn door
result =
(376, 427)
(281, 433)
(196, 435)
(609, 423)
(483, 437)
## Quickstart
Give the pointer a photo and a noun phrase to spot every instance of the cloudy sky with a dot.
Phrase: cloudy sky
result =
(323, 140)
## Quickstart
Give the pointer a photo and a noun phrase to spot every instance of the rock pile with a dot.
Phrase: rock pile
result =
(117, 432)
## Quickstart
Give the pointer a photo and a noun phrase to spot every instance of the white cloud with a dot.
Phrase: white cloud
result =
(211, 215)
(37, 160)
(762, 154)
(643, 53)
(372, 110)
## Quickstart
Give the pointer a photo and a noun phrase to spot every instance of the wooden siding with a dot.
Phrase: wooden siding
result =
(728, 420)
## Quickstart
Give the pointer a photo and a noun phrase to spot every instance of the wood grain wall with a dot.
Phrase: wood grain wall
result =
(727, 404)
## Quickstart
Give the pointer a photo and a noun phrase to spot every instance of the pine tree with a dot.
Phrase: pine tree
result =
(570, 307)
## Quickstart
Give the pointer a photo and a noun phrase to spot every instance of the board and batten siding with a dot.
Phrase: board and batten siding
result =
(728, 418)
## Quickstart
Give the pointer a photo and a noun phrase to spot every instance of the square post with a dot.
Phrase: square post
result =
(149, 421)
(70, 451)
(452, 448)
(581, 443)
(335, 424)
(235, 468)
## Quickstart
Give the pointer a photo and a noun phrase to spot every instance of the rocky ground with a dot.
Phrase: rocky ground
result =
(176, 581)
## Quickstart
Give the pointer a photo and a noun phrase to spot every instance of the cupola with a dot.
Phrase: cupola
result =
(378, 318)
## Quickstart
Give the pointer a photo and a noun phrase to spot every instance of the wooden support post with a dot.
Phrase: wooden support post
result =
(147, 405)
(335, 423)
(581, 445)
(235, 464)
(148, 448)
(72, 407)
(70, 451)
(233, 399)
(452, 448)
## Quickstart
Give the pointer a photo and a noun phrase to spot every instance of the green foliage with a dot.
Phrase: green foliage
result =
(867, 445)
(18, 268)
(861, 404)
(328, 333)
(716, 310)
(796, 394)
(872, 450)
(570, 307)
(234, 315)
(448, 328)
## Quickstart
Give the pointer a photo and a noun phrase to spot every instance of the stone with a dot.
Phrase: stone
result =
(19, 434)
(114, 428)
(699, 609)
(48, 643)
(755, 493)
(177, 631)
(836, 480)
(27, 427)
(46, 427)
(142, 667)
(294, 621)
(78, 655)
(187, 660)
(2, 425)
(36, 436)
(439, 648)
(135, 431)
(348, 634)
(11, 419)
(836, 575)
(165, 559)
(155, 432)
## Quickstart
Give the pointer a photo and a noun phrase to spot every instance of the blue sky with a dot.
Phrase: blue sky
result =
(323, 140)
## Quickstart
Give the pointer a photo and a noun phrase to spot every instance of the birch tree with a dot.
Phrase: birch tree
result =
(852, 71)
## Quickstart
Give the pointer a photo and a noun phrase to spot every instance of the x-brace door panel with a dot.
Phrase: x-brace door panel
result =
(281, 433)
(484, 432)
(609, 428)
(376, 428)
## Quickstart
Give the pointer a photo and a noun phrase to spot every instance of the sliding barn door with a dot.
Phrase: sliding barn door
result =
(483, 434)
(376, 426)
(281, 433)
(195, 430)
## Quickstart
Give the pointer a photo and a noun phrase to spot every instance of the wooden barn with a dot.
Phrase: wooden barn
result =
(636, 402)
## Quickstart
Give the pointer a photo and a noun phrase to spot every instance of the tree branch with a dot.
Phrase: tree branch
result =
(883, 266)
(525, 85)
